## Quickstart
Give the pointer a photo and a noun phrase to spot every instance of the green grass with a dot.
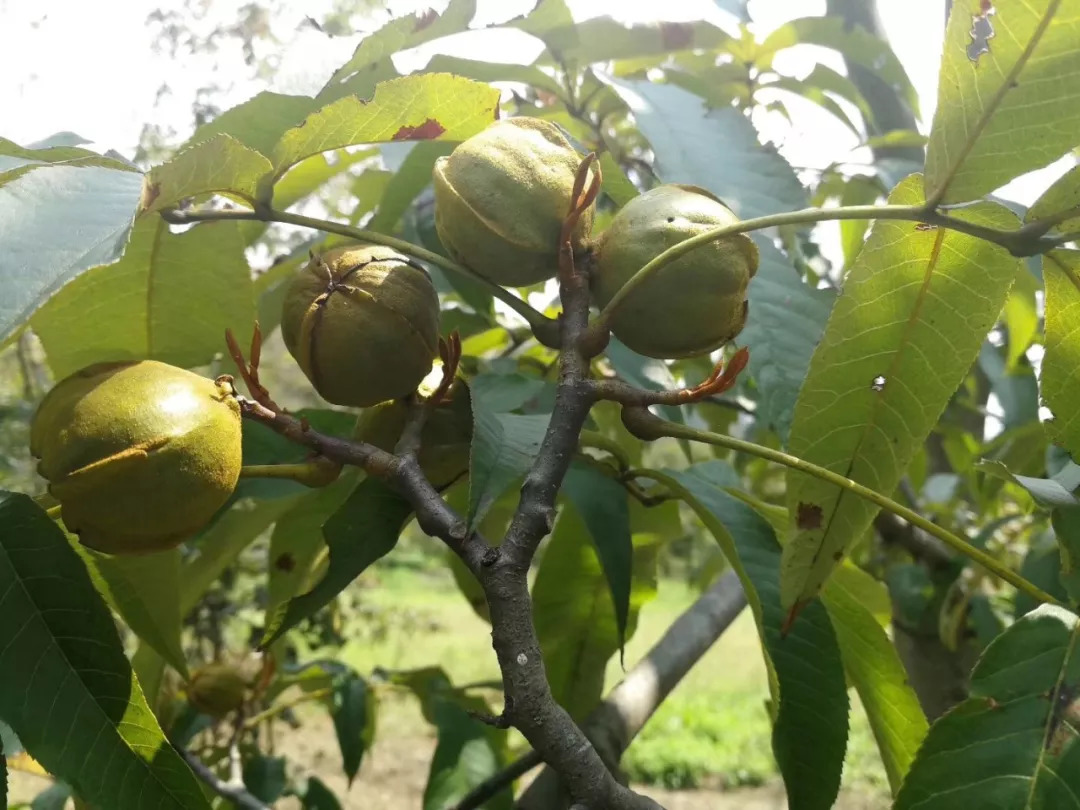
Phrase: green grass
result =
(712, 730)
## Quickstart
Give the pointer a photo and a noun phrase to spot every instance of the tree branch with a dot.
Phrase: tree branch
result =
(232, 790)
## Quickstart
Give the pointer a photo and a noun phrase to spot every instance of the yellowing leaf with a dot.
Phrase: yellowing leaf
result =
(915, 308)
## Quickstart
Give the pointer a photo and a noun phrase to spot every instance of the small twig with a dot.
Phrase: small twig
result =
(230, 789)
(279, 708)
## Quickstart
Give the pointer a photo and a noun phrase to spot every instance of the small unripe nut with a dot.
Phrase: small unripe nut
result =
(445, 439)
(501, 197)
(217, 689)
(362, 322)
(690, 306)
(140, 455)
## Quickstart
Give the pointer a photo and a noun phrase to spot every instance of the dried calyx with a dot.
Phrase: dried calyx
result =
(501, 198)
(140, 455)
(362, 321)
(689, 306)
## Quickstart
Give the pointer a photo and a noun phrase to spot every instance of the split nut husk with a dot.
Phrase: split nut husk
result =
(362, 321)
(140, 455)
(501, 197)
(690, 306)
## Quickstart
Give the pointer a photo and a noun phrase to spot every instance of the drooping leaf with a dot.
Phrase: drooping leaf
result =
(55, 223)
(785, 322)
(364, 528)
(353, 706)
(1020, 316)
(753, 180)
(220, 165)
(1061, 198)
(220, 544)
(1054, 491)
(503, 448)
(1012, 743)
(875, 668)
(806, 675)
(574, 615)
(616, 184)
(68, 690)
(264, 777)
(1006, 103)
(602, 504)
(915, 309)
(484, 71)
(297, 541)
(145, 590)
(170, 298)
(423, 106)
(408, 181)
(1047, 555)
(1060, 380)
(315, 795)
(602, 39)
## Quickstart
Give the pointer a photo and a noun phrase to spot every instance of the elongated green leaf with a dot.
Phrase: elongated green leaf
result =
(875, 668)
(364, 528)
(1063, 197)
(602, 39)
(315, 795)
(1054, 491)
(297, 540)
(145, 590)
(1060, 380)
(1066, 525)
(503, 448)
(170, 298)
(502, 393)
(264, 777)
(854, 42)
(806, 674)
(55, 223)
(259, 122)
(1012, 743)
(54, 150)
(602, 503)
(616, 184)
(220, 544)
(353, 710)
(1020, 316)
(574, 615)
(915, 309)
(424, 106)
(484, 71)
(751, 179)
(68, 690)
(406, 31)
(785, 322)
(407, 183)
(220, 165)
(1006, 96)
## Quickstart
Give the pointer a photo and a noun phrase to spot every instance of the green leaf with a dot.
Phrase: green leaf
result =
(407, 183)
(1066, 525)
(785, 323)
(753, 180)
(806, 675)
(264, 777)
(602, 39)
(1054, 491)
(914, 312)
(58, 221)
(648, 373)
(1062, 197)
(423, 106)
(145, 590)
(315, 795)
(1012, 742)
(297, 541)
(602, 503)
(875, 668)
(259, 122)
(53, 151)
(170, 298)
(1060, 380)
(854, 42)
(353, 707)
(503, 393)
(363, 529)
(1010, 108)
(403, 32)
(55, 797)
(1020, 316)
(616, 184)
(220, 544)
(69, 692)
(1047, 555)
(504, 446)
(574, 615)
(484, 71)
(220, 165)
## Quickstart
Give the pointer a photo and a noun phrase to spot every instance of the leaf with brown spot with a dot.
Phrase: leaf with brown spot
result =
(425, 18)
(676, 36)
(285, 562)
(808, 516)
(426, 131)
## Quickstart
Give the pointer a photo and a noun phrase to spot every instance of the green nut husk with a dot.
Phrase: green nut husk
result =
(501, 197)
(217, 689)
(690, 306)
(362, 322)
(140, 455)
(444, 441)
